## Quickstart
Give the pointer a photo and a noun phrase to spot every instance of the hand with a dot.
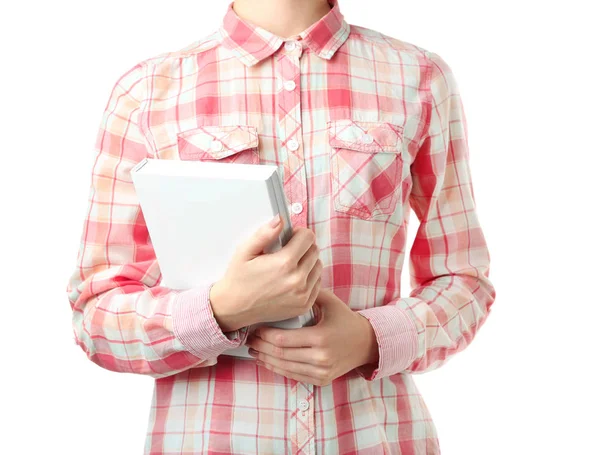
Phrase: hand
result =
(340, 341)
(258, 287)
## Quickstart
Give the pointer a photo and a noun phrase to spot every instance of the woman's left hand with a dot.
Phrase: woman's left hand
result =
(340, 341)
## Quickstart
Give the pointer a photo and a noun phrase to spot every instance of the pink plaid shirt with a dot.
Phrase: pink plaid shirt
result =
(363, 127)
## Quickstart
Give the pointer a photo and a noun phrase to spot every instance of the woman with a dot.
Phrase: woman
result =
(363, 127)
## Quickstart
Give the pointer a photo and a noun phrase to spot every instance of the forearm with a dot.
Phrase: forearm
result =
(448, 312)
(449, 260)
(122, 318)
(156, 332)
(420, 333)
(368, 358)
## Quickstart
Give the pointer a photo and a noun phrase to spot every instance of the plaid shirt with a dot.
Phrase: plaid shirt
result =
(363, 127)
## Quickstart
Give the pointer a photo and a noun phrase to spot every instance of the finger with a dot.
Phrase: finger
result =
(314, 294)
(258, 241)
(289, 338)
(294, 354)
(308, 262)
(298, 245)
(314, 273)
(306, 369)
(288, 374)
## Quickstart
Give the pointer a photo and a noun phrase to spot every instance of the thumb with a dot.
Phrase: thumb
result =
(318, 312)
(320, 307)
(261, 238)
(326, 303)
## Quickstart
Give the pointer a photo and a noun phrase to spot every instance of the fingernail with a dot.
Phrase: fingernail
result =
(252, 351)
(275, 220)
(260, 362)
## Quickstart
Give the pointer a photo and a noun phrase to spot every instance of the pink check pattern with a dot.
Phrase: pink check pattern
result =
(364, 127)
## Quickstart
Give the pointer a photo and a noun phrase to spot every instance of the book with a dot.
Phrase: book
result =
(197, 212)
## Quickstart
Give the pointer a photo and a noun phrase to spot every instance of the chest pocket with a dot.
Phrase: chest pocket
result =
(225, 143)
(366, 167)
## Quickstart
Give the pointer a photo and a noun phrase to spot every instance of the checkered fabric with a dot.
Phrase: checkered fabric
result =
(363, 127)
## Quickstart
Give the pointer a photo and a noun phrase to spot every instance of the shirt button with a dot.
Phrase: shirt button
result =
(292, 144)
(290, 46)
(216, 146)
(367, 138)
(303, 405)
(296, 207)
(289, 85)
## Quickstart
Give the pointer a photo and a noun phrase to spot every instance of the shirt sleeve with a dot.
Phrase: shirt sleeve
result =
(449, 260)
(122, 318)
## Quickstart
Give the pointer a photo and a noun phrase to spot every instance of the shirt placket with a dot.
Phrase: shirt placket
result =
(304, 416)
(294, 179)
(290, 129)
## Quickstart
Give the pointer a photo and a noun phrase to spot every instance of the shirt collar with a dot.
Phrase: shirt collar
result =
(252, 43)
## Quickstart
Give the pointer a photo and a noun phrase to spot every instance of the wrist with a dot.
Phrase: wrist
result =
(227, 316)
(371, 348)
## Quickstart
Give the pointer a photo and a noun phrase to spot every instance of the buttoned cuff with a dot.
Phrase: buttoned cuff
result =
(396, 335)
(195, 326)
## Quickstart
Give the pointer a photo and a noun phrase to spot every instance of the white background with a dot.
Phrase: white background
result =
(528, 74)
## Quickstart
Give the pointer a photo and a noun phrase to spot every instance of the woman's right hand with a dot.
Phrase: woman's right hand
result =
(260, 287)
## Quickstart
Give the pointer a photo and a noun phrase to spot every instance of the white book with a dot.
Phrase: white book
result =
(197, 212)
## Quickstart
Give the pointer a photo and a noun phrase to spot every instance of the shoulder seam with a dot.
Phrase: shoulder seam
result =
(384, 40)
(196, 47)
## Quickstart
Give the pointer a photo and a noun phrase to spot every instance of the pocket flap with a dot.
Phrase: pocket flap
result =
(216, 141)
(369, 137)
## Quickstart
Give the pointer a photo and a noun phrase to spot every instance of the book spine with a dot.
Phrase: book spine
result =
(277, 244)
(287, 233)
